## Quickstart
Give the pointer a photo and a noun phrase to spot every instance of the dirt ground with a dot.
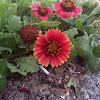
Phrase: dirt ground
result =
(39, 86)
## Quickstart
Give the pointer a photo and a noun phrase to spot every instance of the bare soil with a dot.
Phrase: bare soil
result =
(39, 86)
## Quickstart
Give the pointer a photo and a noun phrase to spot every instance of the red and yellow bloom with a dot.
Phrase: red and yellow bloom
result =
(63, 9)
(53, 49)
(42, 11)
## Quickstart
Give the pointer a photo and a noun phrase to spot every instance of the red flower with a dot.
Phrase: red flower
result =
(67, 7)
(52, 49)
(42, 11)
(28, 34)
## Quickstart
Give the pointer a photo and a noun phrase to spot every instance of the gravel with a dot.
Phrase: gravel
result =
(43, 87)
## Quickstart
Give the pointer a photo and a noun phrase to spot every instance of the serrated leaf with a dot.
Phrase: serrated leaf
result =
(94, 64)
(14, 24)
(79, 24)
(6, 10)
(3, 83)
(7, 42)
(96, 51)
(82, 46)
(71, 33)
(14, 69)
(27, 64)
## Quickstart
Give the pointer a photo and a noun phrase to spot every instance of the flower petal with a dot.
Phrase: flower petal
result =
(73, 14)
(43, 18)
(78, 9)
(41, 57)
(62, 58)
(57, 6)
(49, 11)
(35, 14)
(55, 61)
(34, 7)
(45, 61)
(41, 38)
(37, 5)
(63, 14)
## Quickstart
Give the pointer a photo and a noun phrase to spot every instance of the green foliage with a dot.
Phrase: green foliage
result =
(79, 24)
(4, 71)
(24, 65)
(94, 64)
(96, 51)
(96, 10)
(7, 42)
(24, 7)
(5, 12)
(48, 24)
(3, 83)
(48, 3)
(14, 24)
(71, 33)
(87, 7)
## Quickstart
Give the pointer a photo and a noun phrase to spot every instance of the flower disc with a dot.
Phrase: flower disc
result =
(28, 34)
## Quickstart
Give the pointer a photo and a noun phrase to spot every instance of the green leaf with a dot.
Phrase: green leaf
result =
(69, 84)
(79, 24)
(71, 33)
(48, 24)
(14, 69)
(90, 29)
(27, 64)
(25, 20)
(73, 53)
(74, 83)
(53, 23)
(14, 24)
(96, 51)
(6, 10)
(18, 41)
(4, 71)
(82, 46)
(96, 10)
(94, 64)
(7, 42)
(12, 10)
(3, 83)
(24, 65)
(91, 15)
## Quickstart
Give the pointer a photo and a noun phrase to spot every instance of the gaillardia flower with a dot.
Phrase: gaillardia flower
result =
(28, 34)
(52, 49)
(42, 11)
(63, 9)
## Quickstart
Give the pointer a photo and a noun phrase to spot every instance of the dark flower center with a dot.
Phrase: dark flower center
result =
(42, 11)
(68, 5)
(52, 48)
(28, 34)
